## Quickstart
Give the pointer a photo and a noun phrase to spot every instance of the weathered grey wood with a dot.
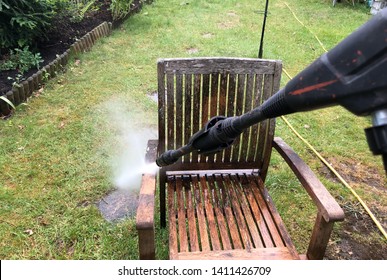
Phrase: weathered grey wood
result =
(211, 65)
(230, 90)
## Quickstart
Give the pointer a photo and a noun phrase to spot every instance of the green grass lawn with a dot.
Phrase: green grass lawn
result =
(59, 151)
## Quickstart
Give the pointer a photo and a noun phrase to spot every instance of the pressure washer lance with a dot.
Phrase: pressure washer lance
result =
(353, 74)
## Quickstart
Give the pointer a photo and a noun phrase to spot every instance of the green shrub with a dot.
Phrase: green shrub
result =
(21, 60)
(21, 21)
(120, 8)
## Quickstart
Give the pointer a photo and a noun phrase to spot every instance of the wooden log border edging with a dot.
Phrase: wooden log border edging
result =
(21, 92)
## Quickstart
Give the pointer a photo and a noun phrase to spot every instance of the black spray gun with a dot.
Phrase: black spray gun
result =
(353, 75)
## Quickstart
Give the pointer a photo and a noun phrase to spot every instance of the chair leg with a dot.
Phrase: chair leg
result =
(146, 242)
(163, 219)
(320, 238)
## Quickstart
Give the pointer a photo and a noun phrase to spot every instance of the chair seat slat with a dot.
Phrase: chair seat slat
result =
(204, 240)
(209, 210)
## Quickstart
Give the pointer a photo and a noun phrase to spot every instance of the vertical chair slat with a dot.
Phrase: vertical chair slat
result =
(213, 110)
(196, 114)
(179, 116)
(170, 107)
(187, 112)
(239, 100)
(248, 94)
(205, 103)
(161, 106)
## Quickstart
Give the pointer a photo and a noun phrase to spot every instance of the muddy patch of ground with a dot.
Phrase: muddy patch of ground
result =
(119, 205)
(359, 238)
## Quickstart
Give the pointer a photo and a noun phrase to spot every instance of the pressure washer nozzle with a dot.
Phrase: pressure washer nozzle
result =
(166, 158)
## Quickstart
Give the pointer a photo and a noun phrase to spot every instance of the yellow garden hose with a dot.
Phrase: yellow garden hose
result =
(377, 223)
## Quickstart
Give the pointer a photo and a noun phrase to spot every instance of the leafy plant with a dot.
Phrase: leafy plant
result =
(120, 8)
(21, 21)
(16, 81)
(78, 8)
(21, 60)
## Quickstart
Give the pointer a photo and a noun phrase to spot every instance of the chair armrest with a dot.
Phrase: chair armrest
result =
(326, 204)
(146, 207)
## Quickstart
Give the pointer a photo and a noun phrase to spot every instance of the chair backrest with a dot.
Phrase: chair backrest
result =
(193, 90)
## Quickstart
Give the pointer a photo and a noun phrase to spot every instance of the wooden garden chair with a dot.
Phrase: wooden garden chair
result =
(218, 207)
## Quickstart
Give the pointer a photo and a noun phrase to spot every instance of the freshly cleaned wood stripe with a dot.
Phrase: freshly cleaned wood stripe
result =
(209, 210)
(234, 232)
(219, 215)
(242, 226)
(181, 214)
(205, 243)
(173, 246)
(191, 217)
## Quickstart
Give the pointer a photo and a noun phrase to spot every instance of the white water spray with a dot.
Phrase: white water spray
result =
(130, 177)
(127, 146)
